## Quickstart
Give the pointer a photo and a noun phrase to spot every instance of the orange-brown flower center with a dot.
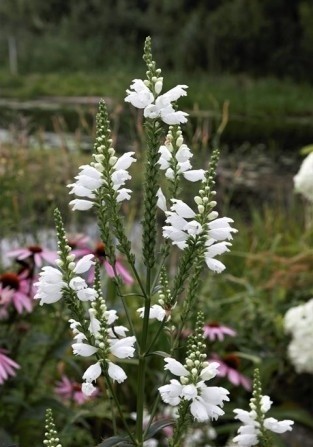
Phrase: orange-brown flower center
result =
(100, 250)
(35, 249)
(10, 280)
(232, 361)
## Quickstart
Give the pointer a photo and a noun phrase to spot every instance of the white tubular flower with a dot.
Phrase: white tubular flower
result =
(157, 312)
(175, 367)
(139, 95)
(276, 426)
(92, 373)
(84, 264)
(123, 348)
(84, 349)
(86, 294)
(123, 194)
(88, 389)
(50, 285)
(87, 182)
(303, 180)
(170, 394)
(77, 283)
(161, 203)
(219, 229)
(81, 205)
(116, 373)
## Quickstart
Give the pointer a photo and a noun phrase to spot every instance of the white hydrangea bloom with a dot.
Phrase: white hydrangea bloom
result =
(303, 180)
(299, 323)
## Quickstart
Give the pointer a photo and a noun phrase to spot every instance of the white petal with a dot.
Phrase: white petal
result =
(116, 372)
(84, 264)
(161, 203)
(199, 411)
(123, 348)
(92, 373)
(182, 209)
(278, 426)
(175, 367)
(214, 265)
(83, 349)
(88, 389)
(266, 403)
(77, 283)
(210, 371)
(81, 205)
(189, 392)
(123, 194)
(183, 154)
(87, 294)
(194, 175)
(125, 161)
(81, 191)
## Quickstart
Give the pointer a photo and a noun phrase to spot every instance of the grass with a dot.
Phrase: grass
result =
(249, 97)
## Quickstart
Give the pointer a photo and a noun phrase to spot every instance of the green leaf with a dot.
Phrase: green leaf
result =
(157, 426)
(160, 354)
(306, 149)
(115, 440)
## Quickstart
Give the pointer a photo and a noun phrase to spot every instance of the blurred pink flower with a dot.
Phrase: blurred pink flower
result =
(79, 244)
(36, 252)
(7, 366)
(69, 390)
(215, 331)
(17, 290)
(229, 365)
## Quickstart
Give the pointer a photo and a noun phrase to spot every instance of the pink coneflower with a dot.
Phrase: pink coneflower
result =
(35, 252)
(229, 365)
(69, 390)
(79, 244)
(7, 366)
(17, 290)
(215, 331)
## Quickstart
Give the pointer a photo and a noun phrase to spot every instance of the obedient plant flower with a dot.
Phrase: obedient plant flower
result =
(56, 282)
(229, 368)
(8, 366)
(103, 341)
(299, 323)
(215, 331)
(256, 427)
(303, 180)
(35, 252)
(204, 402)
(16, 290)
(175, 157)
(216, 231)
(146, 95)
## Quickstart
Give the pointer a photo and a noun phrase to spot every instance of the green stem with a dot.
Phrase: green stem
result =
(119, 409)
(143, 361)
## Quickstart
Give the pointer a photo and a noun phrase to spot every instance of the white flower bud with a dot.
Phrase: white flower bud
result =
(194, 371)
(179, 141)
(158, 86)
(189, 362)
(71, 265)
(213, 203)
(111, 151)
(198, 200)
(200, 209)
(59, 263)
(113, 160)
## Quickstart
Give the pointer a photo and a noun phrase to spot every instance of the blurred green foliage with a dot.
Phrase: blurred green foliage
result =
(262, 37)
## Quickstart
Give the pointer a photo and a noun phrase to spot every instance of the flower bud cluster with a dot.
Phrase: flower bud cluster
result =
(51, 436)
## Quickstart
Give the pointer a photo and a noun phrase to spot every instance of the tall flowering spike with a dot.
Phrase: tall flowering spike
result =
(146, 94)
(256, 427)
(175, 158)
(64, 281)
(204, 403)
(51, 436)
